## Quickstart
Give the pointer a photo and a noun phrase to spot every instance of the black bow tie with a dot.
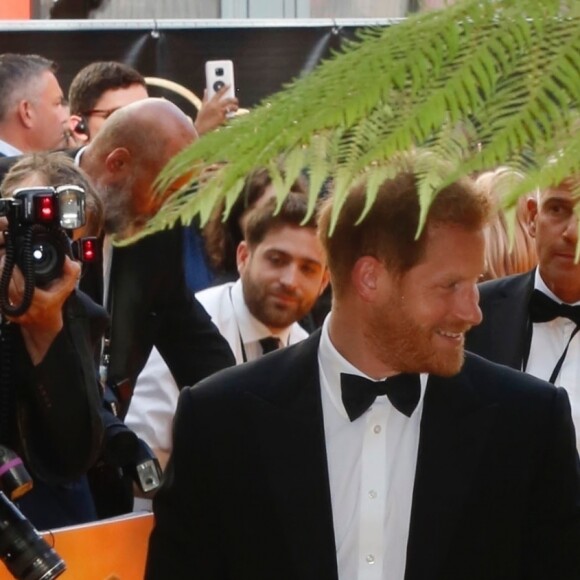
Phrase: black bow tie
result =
(358, 393)
(543, 309)
(269, 344)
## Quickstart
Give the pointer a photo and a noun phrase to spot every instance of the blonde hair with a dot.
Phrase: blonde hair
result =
(503, 256)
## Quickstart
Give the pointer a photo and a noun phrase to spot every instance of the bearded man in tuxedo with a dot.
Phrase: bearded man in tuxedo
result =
(308, 465)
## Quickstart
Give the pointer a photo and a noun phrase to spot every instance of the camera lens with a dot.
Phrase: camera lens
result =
(218, 85)
(24, 552)
(45, 258)
(219, 72)
(47, 253)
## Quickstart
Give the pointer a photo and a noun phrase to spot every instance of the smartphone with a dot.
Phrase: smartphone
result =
(217, 74)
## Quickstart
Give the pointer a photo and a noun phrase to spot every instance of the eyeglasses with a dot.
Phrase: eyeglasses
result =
(104, 113)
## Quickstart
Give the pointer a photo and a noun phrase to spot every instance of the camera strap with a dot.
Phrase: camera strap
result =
(7, 387)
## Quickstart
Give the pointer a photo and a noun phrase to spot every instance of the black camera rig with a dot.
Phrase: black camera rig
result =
(40, 224)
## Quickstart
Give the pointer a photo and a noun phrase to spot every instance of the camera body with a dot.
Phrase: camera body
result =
(38, 221)
(219, 73)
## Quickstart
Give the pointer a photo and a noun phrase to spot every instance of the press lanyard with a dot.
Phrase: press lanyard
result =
(562, 358)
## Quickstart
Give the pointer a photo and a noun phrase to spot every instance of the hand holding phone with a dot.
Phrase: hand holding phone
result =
(219, 102)
(218, 74)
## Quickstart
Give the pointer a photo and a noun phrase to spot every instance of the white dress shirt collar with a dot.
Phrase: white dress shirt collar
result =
(78, 156)
(8, 150)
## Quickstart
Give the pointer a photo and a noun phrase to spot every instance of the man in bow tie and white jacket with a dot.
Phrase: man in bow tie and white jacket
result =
(282, 271)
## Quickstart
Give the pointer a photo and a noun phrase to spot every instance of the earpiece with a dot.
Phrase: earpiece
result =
(81, 127)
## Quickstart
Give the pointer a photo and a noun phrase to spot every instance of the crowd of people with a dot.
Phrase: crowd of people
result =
(361, 405)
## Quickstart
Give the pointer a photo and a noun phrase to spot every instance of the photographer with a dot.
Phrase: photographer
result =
(50, 409)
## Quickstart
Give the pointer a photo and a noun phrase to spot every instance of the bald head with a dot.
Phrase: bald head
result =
(152, 128)
(127, 155)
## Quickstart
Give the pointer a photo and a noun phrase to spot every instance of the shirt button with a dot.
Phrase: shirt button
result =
(370, 559)
(373, 494)
(377, 429)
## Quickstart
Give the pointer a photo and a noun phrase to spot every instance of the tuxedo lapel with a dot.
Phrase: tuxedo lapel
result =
(505, 316)
(289, 433)
(454, 428)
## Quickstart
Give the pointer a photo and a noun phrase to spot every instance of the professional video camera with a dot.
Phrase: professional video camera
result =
(40, 221)
(24, 552)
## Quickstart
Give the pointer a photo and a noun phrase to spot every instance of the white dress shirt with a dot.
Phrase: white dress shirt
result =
(155, 397)
(8, 150)
(371, 464)
(549, 340)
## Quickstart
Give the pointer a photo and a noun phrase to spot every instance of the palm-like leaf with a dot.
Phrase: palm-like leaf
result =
(480, 84)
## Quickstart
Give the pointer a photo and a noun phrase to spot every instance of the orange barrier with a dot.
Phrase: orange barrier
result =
(15, 10)
(112, 549)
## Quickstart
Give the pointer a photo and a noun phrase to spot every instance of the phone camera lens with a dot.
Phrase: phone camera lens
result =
(218, 85)
(219, 72)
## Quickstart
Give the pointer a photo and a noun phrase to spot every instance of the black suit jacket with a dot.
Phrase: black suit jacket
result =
(501, 337)
(246, 495)
(150, 305)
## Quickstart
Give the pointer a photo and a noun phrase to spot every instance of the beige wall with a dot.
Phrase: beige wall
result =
(212, 8)
(358, 8)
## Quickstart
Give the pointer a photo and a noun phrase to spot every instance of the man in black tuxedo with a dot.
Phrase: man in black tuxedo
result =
(306, 465)
(531, 320)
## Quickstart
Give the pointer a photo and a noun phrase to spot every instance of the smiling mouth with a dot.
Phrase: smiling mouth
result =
(451, 335)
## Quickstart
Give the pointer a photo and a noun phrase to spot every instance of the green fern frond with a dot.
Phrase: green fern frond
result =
(481, 83)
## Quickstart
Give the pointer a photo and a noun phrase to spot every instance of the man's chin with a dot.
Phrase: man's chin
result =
(448, 366)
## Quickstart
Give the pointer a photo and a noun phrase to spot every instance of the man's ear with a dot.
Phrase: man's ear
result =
(26, 113)
(242, 256)
(118, 161)
(532, 207)
(325, 281)
(365, 277)
(78, 128)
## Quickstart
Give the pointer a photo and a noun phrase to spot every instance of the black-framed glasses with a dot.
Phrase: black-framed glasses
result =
(103, 113)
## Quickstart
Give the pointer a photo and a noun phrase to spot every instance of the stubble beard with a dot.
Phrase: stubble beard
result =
(118, 210)
(262, 307)
(400, 343)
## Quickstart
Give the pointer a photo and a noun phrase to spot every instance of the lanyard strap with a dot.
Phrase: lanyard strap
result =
(560, 362)
(558, 367)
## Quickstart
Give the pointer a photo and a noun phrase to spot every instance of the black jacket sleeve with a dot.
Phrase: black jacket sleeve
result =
(152, 306)
(58, 401)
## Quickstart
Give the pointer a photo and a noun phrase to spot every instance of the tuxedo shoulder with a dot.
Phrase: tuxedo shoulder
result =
(502, 383)
(500, 285)
(275, 375)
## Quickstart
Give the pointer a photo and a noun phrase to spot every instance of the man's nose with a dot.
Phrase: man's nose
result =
(571, 230)
(468, 306)
(289, 276)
